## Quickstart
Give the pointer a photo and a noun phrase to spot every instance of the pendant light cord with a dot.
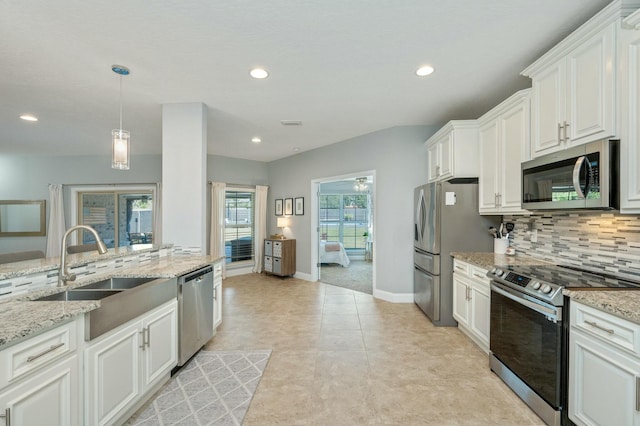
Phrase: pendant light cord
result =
(120, 103)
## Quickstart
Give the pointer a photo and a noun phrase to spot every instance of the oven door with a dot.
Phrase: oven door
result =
(526, 336)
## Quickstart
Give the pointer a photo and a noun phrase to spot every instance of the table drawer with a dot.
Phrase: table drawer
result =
(461, 267)
(31, 355)
(607, 327)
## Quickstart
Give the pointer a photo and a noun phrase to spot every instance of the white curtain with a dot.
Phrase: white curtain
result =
(157, 215)
(260, 226)
(216, 240)
(56, 228)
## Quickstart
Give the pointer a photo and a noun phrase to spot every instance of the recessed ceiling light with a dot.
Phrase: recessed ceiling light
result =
(256, 140)
(424, 71)
(28, 117)
(259, 73)
(291, 122)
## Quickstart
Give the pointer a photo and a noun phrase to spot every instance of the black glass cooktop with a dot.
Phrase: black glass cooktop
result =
(573, 278)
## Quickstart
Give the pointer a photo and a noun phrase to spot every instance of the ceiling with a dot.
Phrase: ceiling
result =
(344, 68)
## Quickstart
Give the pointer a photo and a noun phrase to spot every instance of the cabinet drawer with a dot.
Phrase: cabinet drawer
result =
(479, 274)
(268, 263)
(31, 355)
(277, 249)
(461, 267)
(268, 248)
(609, 328)
(277, 265)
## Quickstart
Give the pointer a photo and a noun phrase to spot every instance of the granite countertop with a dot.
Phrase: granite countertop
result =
(15, 269)
(20, 317)
(621, 303)
(487, 260)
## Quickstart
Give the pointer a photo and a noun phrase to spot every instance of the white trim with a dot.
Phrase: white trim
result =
(393, 297)
(315, 187)
(303, 276)
(107, 187)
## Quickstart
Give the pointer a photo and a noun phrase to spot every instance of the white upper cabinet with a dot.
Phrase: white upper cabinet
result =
(630, 108)
(504, 141)
(453, 151)
(574, 97)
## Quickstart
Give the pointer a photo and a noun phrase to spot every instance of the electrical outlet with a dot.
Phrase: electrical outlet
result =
(534, 235)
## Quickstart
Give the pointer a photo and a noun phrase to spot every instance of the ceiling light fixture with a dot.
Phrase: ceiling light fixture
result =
(28, 117)
(121, 139)
(361, 184)
(424, 71)
(259, 73)
(256, 140)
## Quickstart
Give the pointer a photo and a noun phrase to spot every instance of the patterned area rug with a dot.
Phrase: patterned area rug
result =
(214, 388)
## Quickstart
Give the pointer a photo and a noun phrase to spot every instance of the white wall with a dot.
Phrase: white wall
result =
(28, 178)
(398, 156)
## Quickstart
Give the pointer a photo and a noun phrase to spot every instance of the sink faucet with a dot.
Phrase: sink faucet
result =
(63, 274)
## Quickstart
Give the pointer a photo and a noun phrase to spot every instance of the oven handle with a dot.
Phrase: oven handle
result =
(510, 294)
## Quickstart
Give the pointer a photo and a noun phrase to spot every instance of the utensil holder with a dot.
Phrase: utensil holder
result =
(500, 245)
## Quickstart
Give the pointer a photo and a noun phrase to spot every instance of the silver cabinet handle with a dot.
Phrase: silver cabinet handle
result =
(566, 138)
(143, 340)
(599, 327)
(6, 416)
(637, 394)
(560, 133)
(44, 352)
(475, 274)
(148, 336)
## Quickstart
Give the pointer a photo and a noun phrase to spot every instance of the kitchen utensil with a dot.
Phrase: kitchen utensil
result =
(500, 234)
(509, 226)
(493, 231)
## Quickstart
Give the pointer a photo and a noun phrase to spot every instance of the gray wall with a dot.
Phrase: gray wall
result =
(234, 170)
(28, 178)
(399, 157)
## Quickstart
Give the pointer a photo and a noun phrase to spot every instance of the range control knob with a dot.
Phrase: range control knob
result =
(535, 285)
(493, 270)
(546, 288)
(499, 272)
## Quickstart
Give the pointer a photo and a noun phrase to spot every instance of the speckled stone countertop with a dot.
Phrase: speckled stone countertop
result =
(621, 303)
(15, 269)
(488, 260)
(21, 317)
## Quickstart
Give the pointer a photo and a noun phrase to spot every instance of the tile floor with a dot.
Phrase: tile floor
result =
(344, 358)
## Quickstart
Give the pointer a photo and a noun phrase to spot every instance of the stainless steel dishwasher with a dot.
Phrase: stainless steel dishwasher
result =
(195, 312)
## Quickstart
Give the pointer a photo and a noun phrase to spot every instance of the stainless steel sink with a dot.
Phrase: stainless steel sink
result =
(117, 283)
(78, 294)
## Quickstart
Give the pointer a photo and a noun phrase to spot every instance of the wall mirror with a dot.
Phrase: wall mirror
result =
(22, 218)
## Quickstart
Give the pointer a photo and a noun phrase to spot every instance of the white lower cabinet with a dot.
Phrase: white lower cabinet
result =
(604, 376)
(472, 302)
(217, 294)
(48, 398)
(40, 378)
(123, 365)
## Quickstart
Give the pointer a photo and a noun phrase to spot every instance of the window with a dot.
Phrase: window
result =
(345, 218)
(239, 228)
(121, 216)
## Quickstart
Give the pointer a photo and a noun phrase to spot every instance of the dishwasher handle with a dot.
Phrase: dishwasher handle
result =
(197, 274)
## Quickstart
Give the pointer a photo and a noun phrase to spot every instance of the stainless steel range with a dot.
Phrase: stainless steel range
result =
(529, 331)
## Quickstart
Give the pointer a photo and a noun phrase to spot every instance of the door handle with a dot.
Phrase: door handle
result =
(566, 138)
(44, 352)
(6, 416)
(576, 177)
(637, 394)
(560, 133)
(143, 340)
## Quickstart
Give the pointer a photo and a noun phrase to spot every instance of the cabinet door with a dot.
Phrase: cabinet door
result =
(547, 109)
(591, 89)
(514, 127)
(489, 165)
(160, 353)
(217, 305)
(602, 383)
(630, 122)
(112, 374)
(434, 161)
(446, 156)
(480, 311)
(460, 300)
(51, 397)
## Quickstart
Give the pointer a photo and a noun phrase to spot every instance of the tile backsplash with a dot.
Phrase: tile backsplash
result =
(603, 241)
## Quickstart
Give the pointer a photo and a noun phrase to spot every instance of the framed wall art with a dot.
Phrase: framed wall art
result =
(278, 206)
(299, 206)
(288, 206)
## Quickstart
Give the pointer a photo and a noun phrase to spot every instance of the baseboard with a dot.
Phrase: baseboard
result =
(233, 272)
(393, 297)
(302, 276)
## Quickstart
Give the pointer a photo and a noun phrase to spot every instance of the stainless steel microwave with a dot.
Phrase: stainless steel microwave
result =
(584, 177)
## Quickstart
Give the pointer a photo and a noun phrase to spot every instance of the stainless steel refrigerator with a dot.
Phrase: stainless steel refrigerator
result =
(446, 220)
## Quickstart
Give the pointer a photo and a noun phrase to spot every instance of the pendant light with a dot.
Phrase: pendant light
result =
(121, 140)
(361, 184)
